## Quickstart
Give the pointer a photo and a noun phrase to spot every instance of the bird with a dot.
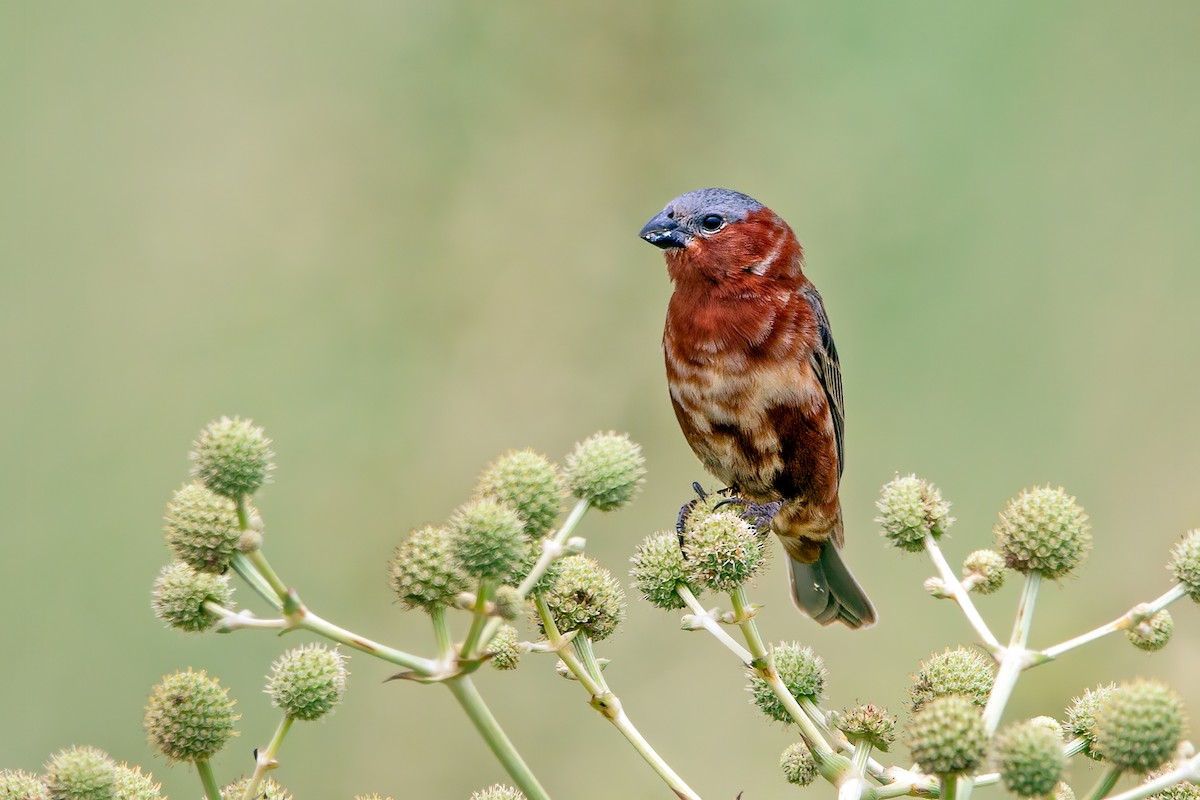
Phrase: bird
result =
(756, 384)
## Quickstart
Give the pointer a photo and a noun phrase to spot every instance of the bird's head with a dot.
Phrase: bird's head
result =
(722, 236)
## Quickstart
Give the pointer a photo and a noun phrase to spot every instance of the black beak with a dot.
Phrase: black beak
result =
(664, 232)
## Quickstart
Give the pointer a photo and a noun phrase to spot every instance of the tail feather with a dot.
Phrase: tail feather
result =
(827, 591)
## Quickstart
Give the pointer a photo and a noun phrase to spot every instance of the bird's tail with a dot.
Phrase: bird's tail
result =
(827, 591)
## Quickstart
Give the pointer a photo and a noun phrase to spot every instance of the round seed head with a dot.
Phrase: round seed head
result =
(1030, 757)
(488, 539)
(1081, 717)
(1185, 563)
(987, 566)
(423, 571)
(1043, 530)
(267, 790)
(1184, 790)
(868, 723)
(722, 552)
(133, 784)
(81, 773)
(189, 716)
(1063, 792)
(798, 765)
(505, 649)
(1050, 724)
(21, 785)
(959, 671)
(179, 595)
(802, 672)
(909, 508)
(1139, 725)
(585, 597)
(308, 682)
(606, 469)
(498, 792)
(508, 602)
(202, 528)
(527, 483)
(947, 736)
(232, 457)
(658, 568)
(1154, 633)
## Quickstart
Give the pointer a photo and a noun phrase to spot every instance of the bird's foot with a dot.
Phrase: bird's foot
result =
(757, 514)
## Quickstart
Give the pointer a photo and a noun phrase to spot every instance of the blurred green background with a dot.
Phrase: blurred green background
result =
(402, 236)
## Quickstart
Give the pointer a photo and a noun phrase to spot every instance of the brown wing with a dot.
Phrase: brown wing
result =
(829, 371)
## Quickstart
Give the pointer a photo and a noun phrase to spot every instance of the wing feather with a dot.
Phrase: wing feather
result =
(829, 370)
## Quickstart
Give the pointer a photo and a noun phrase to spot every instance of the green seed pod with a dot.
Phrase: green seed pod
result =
(606, 469)
(498, 792)
(527, 483)
(202, 528)
(802, 672)
(868, 723)
(308, 682)
(1043, 530)
(585, 597)
(959, 671)
(505, 649)
(179, 595)
(658, 568)
(1185, 563)
(798, 765)
(986, 569)
(21, 785)
(232, 457)
(722, 552)
(1139, 725)
(423, 572)
(189, 716)
(947, 736)
(909, 508)
(1081, 717)
(133, 784)
(1184, 790)
(1152, 634)
(81, 773)
(488, 540)
(267, 790)
(1030, 757)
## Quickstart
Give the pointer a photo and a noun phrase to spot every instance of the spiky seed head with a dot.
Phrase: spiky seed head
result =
(1185, 563)
(988, 568)
(308, 682)
(909, 508)
(1062, 792)
(81, 773)
(529, 484)
(798, 765)
(1030, 757)
(868, 723)
(959, 671)
(498, 792)
(947, 736)
(232, 457)
(488, 539)
(606, 469)
(1184, 790)
(133, 784)
(202, 528)
(585, 597)
(189, 716)
(423, 571)
(1043, 530)
(1081, 717)
(1152, 634)
(1139, 725)
(658, 569)
(269, 789)
(508, 602)
(1050, 724)
(179, 595)
(17, 784)
(505, 648)
(722, 552)
(802, 672)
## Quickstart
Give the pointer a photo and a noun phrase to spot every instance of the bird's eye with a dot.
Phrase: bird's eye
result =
(712, 222)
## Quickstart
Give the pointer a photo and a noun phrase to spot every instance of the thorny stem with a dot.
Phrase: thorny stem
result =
(468, 697)
(211, 790)
(264, 760)
(1129, 619)
(1188, 771)
(960, 595)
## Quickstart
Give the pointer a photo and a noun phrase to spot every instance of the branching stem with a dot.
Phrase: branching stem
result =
(265, 760)
(960, 594)
(1129, 619)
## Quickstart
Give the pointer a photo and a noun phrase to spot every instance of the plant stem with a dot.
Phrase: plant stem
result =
(706, 621)
(242, 566)
(487, 588)
(1014, 657)
(1103, 786)
(960, 595)
(1188, 771)
(211, 790)
(265, 759)
(309, 621)
(950, 787)
(236, 620)
(441, 632)
(1130, 618)
(468, 697)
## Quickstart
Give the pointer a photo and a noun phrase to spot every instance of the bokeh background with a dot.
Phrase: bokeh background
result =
(402, 236)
